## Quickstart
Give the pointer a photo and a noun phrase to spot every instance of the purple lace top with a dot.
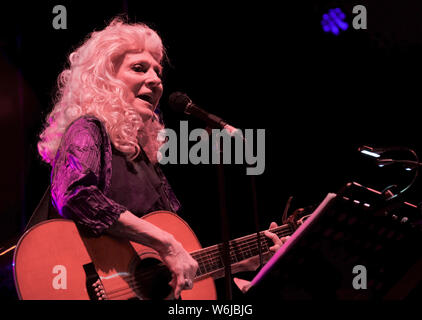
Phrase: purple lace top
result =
(92, 183)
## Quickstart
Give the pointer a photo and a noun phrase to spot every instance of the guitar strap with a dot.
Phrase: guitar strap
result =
(44, 210)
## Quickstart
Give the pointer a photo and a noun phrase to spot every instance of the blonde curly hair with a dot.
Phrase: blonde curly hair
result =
(89, 87)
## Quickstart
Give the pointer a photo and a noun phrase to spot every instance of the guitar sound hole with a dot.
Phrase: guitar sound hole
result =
(151, 279)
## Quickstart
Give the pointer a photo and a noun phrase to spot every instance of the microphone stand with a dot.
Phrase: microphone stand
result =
(181, 102)
(256, 218)
(225, 224)
(224, 227)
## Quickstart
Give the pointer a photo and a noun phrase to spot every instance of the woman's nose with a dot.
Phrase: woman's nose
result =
(152, 79)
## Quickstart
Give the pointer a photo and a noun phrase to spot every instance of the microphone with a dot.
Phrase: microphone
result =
(180, 102)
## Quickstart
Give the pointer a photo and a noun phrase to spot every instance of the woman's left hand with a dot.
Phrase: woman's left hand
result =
(253, 263)
(278, 242)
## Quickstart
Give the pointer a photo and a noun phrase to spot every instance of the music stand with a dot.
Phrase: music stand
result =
(355, 227)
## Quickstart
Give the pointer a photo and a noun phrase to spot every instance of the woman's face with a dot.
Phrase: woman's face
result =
(142, 75)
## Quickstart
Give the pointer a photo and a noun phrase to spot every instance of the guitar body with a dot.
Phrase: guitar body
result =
(54, 261)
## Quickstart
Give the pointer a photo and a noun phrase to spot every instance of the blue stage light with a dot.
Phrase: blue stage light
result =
(333, 21)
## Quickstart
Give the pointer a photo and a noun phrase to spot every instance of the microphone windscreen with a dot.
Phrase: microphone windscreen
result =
(178, 101)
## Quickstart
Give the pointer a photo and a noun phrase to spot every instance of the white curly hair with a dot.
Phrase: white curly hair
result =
(89, 87)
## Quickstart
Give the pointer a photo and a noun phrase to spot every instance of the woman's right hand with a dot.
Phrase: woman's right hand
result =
(182, 266)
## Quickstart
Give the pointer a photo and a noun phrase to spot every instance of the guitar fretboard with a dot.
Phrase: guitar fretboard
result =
(210, 259)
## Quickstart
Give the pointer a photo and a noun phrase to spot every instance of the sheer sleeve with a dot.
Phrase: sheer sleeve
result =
(81, 175)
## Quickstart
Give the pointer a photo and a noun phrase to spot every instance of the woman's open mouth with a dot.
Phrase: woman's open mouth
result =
(146, 98)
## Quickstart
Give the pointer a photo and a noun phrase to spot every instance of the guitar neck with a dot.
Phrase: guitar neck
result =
(210, 259)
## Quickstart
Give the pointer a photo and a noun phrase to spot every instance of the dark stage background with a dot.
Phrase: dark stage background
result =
(257, 64)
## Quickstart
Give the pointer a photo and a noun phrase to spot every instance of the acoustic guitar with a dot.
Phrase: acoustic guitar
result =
(55, 261)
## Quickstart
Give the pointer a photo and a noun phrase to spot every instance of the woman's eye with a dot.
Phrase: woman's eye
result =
(144, 69)
(138, 68)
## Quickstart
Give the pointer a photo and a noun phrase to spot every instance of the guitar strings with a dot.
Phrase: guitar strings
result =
(237, 246)
(219, 264)
(241, 242)
(213, 258)
(201, 257)
(133, 284)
